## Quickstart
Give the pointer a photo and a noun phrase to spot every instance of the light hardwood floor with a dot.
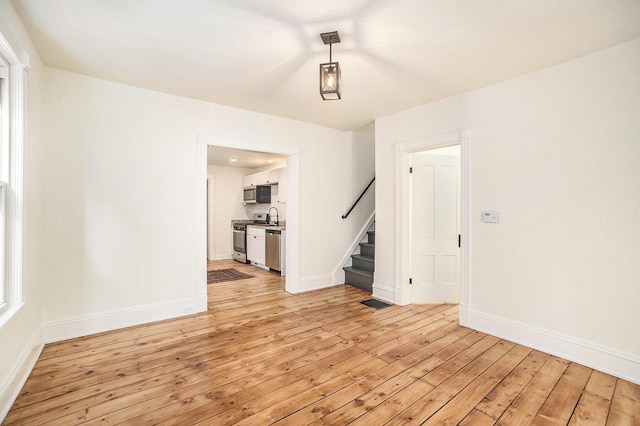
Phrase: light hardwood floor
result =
(261, 356)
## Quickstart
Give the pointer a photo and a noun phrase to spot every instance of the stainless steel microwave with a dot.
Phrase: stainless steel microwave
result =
(257, 194)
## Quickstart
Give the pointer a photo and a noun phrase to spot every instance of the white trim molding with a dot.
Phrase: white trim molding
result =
(10, 389)
(617, 363)
(113, 320)
(463, 314)
(383, 292)
(403, 239)
(315, 282)
(13, 173)
(292, 281)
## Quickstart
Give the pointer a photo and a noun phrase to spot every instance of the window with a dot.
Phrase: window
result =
(11, 178)
(4, 137)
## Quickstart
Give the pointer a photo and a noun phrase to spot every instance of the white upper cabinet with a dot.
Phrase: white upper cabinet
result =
(272, 177)
(254, 179)
(269, 177)
(247, 181)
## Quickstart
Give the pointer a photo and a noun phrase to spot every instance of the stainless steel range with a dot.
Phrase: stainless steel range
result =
(239, 230)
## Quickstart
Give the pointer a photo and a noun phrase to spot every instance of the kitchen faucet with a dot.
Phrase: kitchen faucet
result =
(269, 213)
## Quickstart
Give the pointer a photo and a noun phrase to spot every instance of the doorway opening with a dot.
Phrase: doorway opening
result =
(432, 221)
(227, 170)
(289, 206)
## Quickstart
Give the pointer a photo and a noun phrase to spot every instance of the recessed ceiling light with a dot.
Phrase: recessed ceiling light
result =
(269, 161)
(233, 160)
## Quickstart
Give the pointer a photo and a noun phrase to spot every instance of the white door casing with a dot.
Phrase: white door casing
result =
(292, 284)
(401, 291)
(435, 226)
(211, 252)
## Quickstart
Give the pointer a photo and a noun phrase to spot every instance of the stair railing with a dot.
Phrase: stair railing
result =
(344, 216)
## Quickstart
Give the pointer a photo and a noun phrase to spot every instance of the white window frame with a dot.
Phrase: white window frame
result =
(11, 180)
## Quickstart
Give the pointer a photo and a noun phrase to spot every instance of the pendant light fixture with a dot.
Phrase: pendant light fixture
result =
(330, 71)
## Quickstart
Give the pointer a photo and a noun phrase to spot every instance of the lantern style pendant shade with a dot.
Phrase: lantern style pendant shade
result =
(330, 78)
(330, 81)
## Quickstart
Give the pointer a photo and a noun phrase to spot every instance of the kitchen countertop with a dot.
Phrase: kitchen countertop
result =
(265, 226)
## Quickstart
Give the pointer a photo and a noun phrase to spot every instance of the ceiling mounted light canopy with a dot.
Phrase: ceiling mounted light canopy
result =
(330, 71)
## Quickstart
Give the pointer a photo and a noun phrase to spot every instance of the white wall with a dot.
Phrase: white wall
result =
(556, 152)
(120, 242)
(21, 337)
(361, 168)
(227, 206)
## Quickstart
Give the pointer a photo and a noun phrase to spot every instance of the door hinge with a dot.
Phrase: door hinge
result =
(410, 280)
(410, 169)
(459, 241)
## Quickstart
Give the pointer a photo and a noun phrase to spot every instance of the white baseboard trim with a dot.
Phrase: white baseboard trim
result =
(611, 361)
(463, 315)
(383, 292)
(20, 372)
(401, 296)
(315, 282)
(221, 256)
(201, 302)
(97, 323)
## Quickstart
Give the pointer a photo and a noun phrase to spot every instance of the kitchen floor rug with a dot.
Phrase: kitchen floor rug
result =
(221, 275)
(376, 304)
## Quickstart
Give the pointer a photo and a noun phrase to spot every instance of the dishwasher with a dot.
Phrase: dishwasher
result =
(274, 250)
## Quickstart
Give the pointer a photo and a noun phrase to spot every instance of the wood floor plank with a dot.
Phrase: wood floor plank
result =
(525, 407)
(498, 400)
(243, 393)
(275, 405)
(230, 382)
(625, 405)
(294, 403)
(328, 406)
(260, 355)
(410, 375)
(560, 404)
(593, 407)
(477, 418)
(221, 353)
(404, 333)
(106, 397)
(142, 362)
(330, 403)
(447, 387)
(455, 410)
(390, 352)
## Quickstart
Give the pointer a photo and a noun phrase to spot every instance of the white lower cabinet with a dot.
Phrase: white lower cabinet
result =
(255, 245)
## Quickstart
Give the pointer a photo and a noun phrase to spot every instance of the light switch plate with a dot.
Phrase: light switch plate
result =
(490, 216)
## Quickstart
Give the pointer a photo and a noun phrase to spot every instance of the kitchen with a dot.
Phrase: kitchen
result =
(247, 207)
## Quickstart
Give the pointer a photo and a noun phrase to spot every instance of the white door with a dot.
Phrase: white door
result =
(435, 225)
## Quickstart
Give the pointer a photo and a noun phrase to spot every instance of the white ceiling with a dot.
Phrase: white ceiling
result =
(263, 55)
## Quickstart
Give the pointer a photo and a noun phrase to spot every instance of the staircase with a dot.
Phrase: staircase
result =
(360, 273)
